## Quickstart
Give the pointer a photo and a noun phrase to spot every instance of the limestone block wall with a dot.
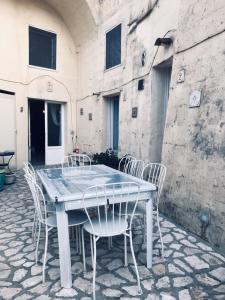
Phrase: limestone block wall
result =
(134, 134)
(194, 138)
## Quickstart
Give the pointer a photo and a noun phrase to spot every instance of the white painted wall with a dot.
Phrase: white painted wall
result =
(27, 81)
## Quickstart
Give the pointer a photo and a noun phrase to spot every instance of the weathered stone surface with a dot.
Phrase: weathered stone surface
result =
(19, 274)
(184, 295)
(125, 274)
(67, 293)
(9, 292)
(174, 270)
(196, 262)
(115, 264)
(131, 290)
(109, 280)
(204, 279)
(219, 273)
(110, 293)
(163, 282)
(31, 281)
(182, 281)
(159, 269)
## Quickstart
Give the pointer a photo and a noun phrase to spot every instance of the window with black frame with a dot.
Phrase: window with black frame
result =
(42, 48)
(113, 47)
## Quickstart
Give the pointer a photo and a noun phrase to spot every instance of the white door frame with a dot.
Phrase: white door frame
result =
(55, 154)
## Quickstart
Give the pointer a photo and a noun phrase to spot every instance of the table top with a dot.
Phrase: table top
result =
(7, 153)
(70, 183)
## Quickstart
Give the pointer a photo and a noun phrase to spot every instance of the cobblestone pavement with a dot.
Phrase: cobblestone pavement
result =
(191, 269)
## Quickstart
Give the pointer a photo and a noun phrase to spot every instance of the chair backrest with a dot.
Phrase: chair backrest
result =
(124, 162)
(29, 169)
(155, 173)
(113, 202)
(76, 160)
(135, 168)
(38, 197)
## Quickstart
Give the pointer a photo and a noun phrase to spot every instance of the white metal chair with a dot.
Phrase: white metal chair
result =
(124, 162)
(50, 207)
(75, 218)
(76, 160)
(154, 173)
(103, 220)
(135, 168)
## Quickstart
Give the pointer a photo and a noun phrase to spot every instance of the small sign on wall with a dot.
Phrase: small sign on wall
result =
(81, 111)
(195, 99)
(181, 76)
(90, 116)
(134, 112)
(49, 86)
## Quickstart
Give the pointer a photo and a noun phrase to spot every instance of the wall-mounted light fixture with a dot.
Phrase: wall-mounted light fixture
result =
(163, 41)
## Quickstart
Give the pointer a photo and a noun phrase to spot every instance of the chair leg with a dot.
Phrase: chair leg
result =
(160, 233)
(135, 263)
(45, 254)
(94, 267)
(145, 229)
(77, 242)
(34, 227)
(91, 244)
(80, 240)
(37, 243)
(83, 249)
(125, 250)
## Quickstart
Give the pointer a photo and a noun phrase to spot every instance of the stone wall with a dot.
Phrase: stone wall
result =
(194, 139)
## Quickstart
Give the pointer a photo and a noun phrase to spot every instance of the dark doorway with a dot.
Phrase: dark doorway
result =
(37, 132)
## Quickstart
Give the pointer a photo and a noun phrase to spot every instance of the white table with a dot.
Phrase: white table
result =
(66, 187)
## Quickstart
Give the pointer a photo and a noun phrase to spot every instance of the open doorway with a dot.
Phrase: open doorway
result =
(160, 95)
(113, 122)
(37, 132)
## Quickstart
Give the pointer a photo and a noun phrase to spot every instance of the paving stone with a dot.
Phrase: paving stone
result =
(9, 292)
(204, 279)
(67, 293)
(109, 280)
(168, 238)
(188, 243)
(131, 290)
(5, 283)
(147, 284)
(204, 247)
(84, 285)
(24, 297)
(220, 289)
(182, 281)
(19, 274)
(175, 270)
(4, 266)
(163, 282)
(184, 295)
(40, 288)
(159, 269)
(115, 264)
(110, 293)
(219, 273)
(31, 281)
(184, 266)
(196, 262)
(153, 297)
(125, 274)
(178, 236)
(4, 274)
(211, 259)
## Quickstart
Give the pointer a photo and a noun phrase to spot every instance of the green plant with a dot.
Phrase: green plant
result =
(108, 158)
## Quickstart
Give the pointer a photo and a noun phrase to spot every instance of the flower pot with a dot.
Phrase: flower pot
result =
(10, 178)
(2, 179)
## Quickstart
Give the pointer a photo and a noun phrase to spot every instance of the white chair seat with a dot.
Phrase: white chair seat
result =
(110, 228)
(76, 217)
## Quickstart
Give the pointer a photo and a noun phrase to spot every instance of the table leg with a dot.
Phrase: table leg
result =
(64, 246)
(149, 225)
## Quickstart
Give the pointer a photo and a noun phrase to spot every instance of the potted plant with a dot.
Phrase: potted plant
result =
(10, 177)
(2, 179)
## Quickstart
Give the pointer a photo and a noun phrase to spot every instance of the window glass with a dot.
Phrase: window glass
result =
(113, 47)
(42, 48)
(54, 125)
